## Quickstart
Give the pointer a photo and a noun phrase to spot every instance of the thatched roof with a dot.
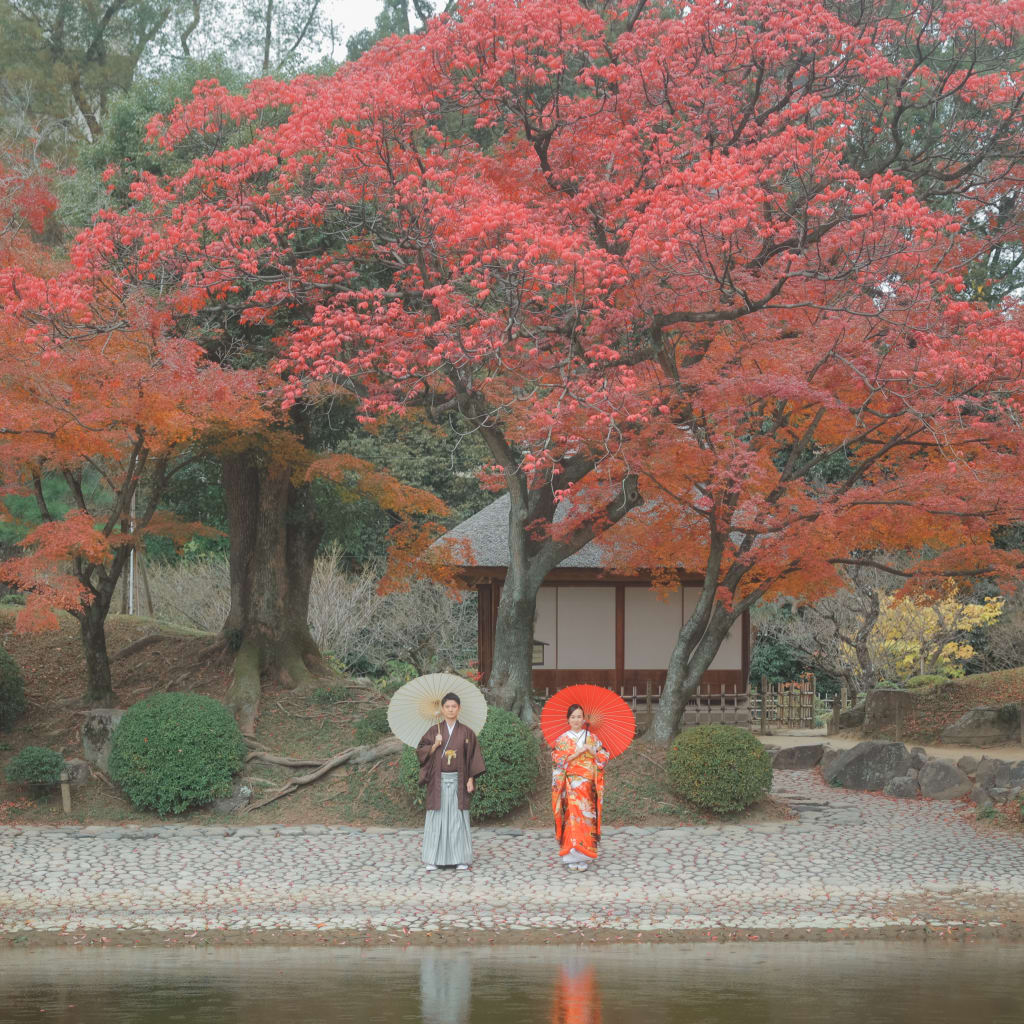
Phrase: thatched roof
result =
(487, 535)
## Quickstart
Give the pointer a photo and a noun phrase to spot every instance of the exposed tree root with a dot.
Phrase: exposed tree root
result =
(141, 644)
(354, 755)
(244, 692)
(288, 762)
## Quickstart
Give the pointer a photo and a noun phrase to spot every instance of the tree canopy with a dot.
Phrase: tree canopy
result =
(754, 256)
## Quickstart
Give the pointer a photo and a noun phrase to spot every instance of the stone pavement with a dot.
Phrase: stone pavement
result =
(848, 861)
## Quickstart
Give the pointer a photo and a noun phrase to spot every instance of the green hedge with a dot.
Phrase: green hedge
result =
(510, 755)
(175, 751)
(12, 690)
(720, 768)
(36, 766)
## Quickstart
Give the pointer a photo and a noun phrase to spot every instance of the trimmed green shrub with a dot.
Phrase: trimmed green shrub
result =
(372, 727)
(916, 682)
(720, 768)
(174, 751)
(511, 760)
(36, 766)
(12, 690)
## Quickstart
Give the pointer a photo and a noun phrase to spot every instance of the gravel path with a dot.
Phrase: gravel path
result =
(848, 861)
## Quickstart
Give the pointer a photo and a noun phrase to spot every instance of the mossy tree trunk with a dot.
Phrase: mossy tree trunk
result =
(533, 553)
(274, 532)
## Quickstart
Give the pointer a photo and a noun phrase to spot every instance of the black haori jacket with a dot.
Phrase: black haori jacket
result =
(465, 758)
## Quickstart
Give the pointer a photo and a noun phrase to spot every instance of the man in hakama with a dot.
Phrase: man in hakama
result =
(450, 762)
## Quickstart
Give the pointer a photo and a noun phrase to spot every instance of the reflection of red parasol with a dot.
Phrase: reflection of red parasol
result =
(608, 716)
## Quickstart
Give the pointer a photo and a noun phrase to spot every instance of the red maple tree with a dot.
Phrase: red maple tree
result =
(623, 239)
(98, 393)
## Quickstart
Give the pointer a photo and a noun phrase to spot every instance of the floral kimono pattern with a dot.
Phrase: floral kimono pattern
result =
(577, 789)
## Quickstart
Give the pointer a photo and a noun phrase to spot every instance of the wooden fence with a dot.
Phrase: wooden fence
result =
(730, 706)
(784, 705)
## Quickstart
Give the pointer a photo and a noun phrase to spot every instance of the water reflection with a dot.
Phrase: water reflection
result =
(577, 1000)
(445, 987)
(788, 983)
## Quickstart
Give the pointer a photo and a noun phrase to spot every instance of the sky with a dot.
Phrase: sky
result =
(352, 15)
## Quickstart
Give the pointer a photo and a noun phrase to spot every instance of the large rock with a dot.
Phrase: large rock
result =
(992, 773)
(985, 727)
(903, 786)
(869, 765)
(980, 797)
(240, 796)
(1017, 773)
(919, 757)
(886, 711)
(828, 759)
(97, 732)
(852, 718)
(942, 780)
(797, 758)
(77, 771)
(968, 764)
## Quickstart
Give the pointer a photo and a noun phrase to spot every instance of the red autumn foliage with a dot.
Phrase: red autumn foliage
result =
(727, 247)
(98, 393)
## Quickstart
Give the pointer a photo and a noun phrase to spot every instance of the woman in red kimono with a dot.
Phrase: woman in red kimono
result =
(577, 788)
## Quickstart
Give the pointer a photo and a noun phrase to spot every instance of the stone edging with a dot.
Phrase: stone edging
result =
(890, 767)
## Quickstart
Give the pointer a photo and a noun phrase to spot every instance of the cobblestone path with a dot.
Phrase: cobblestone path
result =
(848, 861)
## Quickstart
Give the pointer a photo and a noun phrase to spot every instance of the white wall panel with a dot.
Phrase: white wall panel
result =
(586, 627)
(652, 626)
(544, 625)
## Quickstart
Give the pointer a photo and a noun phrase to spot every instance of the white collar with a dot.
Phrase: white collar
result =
(451, 725)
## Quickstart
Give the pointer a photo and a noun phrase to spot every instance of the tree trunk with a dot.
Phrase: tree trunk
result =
(862, 650)
(532, 555)
(696, 646)
(511, 679)
(99, 690)
(274, 533)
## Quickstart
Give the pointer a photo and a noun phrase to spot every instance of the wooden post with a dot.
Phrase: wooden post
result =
(650, 712)
(65, 792)
(145, 580)
(764, 705)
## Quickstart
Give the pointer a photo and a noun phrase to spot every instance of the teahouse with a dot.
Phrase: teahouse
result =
(597, 625)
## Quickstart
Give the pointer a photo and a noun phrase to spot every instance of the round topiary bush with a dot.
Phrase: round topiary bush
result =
(12, 690)
(511, 759)
(174, 751)
(35, 766)
(721, 768)
(372, 727)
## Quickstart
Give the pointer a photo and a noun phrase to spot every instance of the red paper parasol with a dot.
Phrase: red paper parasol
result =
(607, 714)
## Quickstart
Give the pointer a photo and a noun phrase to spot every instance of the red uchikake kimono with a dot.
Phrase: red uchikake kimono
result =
(577, 789)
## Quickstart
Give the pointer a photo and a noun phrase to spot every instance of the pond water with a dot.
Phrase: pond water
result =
(783, 983)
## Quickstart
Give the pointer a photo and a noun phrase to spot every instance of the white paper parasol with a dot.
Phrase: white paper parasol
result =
(417, 705)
